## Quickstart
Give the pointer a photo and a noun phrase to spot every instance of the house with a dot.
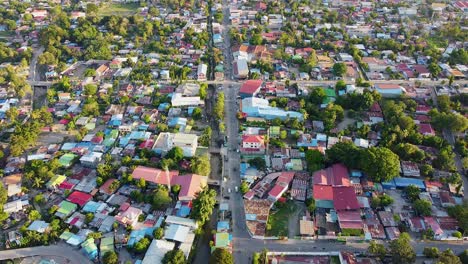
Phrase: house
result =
(410, 169)
(91, 159)
(190, 185)
(38, 226)
(258, 107)
(166, 141)
(281, 186)
(250, 88)
(155, 176)
(129, 217)
(426, 129)
(65, 209)
(350, 220)
(79, 198)
(344, 198)
(253, 143)
(179, 100)
(201, 72)
(389, 90)
(241, 69)
(13, 184)
(431, 222)
(90, 248)
(375, 65)
(157, 250)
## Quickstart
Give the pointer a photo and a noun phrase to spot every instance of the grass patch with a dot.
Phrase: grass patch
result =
(437, 42)
(278, 220)
(118, 9)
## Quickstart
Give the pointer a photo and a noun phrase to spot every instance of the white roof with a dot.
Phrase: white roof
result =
(177, 233)
(181, 221)
(156, 251)
(179, 100)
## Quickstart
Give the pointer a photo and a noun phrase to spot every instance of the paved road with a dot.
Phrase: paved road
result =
(33, 70)
(64, 251)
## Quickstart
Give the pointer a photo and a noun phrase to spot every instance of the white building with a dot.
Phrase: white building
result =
(156, 251)
(179, 100)
(201, 72)
(241, 69)
(166, 141)
(91, 159)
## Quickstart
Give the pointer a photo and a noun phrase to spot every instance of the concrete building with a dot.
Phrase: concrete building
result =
(166, 141)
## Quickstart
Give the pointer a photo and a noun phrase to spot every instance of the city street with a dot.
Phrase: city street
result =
(61, 250)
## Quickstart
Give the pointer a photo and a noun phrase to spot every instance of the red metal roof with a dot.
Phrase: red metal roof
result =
(252, 139)
(250, 87)
(79, 198)
(323, 192)
(336, 175)
(344, 198)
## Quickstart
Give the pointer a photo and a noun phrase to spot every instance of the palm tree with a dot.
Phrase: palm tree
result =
(37, 182)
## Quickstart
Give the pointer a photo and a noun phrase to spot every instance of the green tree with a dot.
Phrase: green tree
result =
(142, 245)
(175, 189)
(203, 204)
(197, 113)
(203, 90)
(460, 212)
(314, 159)
(92, 9)
(434, 69)
(381, 164)
(401, 250)
(176, 154)
(431, 252)
(158, 233)
(422, 207)
(221, 256)
(175, 256)
(34, 215)
(219, 106)
(89, 217)
(412, 191)
(310, 203)
(346, 153)
(339, 69)
(283, 134)
(244, 187)
(457, 234)
(377, 249)
(381, 201)
(447, 257)
(161, 198)
(90, 90)
(258, 162)
(110, 257)
(201, 165)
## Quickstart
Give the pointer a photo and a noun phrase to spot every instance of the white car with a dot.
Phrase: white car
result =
(229, 190)
(235, 188)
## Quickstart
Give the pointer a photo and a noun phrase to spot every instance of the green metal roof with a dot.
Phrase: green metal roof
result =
(56, 180)
(66, 207)
(66, 159)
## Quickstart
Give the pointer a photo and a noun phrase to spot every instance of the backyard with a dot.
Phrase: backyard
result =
(278, 221)
(118, 9)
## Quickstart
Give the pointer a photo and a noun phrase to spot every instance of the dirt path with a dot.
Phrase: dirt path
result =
(346, 122)
(293, 220)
